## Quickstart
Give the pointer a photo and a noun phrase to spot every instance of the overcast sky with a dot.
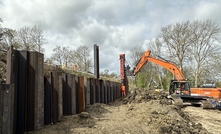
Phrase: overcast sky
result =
(116, 26)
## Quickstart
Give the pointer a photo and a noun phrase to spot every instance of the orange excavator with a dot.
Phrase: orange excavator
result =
(179, 90)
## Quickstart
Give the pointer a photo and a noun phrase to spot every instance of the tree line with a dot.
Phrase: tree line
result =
(33, 39)
(194, 47)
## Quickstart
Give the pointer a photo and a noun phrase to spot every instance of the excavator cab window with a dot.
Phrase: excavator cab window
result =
(185, 88)
(178, 87)
(173, 87)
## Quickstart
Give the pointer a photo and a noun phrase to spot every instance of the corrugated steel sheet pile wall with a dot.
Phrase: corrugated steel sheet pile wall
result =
(29, 100)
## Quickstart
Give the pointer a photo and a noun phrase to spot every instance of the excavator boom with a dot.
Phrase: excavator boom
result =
(166, 64)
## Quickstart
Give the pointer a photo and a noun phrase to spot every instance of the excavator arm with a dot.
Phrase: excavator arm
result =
(166, 64)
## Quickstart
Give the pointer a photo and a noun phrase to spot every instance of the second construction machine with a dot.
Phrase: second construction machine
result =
(179, 90)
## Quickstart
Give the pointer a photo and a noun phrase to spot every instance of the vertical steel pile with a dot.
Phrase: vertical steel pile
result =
(61, 96)
(72, 83)
(25, 71)
(57, 98)
(47, 100)
(81, 102)
(87, 90)
(97, 90)
(92, 91)
(35, 91)
(101, 91)
(108, 91)
(96, 61)
(66, 92)
(7, 109)
(69, 90)
(105, 92)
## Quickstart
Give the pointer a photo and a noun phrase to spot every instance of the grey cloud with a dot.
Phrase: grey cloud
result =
(117, 13)
(116, 26)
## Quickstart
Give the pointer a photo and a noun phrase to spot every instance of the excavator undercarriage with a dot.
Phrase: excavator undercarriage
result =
(185, 100)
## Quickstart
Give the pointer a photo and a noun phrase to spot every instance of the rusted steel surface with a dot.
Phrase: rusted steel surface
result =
(92, 91)
(114, 91)
(71, 84)
(35, 91)
(118, 90)
(105, 91)
(9, 66)
(126, 85)
(96, 61)
(10, 75)
(25, 71)
(87, 89)
(39, 91)
(64, 94)
(108, 91)
(47, 100)
(20, 81)
(111, 91)
(56, 97)
(97, 88)
(81, 103)
(74, 94)
(7, 125)
(101, 91)
(66, 89)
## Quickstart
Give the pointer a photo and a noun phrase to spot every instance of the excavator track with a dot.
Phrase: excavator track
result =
(177, 101)
(205, 104)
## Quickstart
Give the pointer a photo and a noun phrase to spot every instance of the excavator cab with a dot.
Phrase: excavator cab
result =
(179, 87)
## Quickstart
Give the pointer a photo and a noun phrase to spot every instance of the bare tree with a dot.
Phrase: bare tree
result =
(25, 39)
(10, 39)
(1, 30)
(81, 57)
(195, 44)
(144, 76)
(107, 74)
(38, 38)
(136, 53)
(31, 38)
(156, 49)
(177, 39)
(61, 55)
(204, 39)
(66, 55)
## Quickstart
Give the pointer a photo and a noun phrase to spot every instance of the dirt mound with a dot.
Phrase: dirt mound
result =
(156, 111)
(48, 68)
(142, 95)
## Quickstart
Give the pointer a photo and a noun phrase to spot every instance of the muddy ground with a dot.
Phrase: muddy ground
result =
(141, 112)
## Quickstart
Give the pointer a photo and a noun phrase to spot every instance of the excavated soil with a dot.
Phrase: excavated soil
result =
(141, 112)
